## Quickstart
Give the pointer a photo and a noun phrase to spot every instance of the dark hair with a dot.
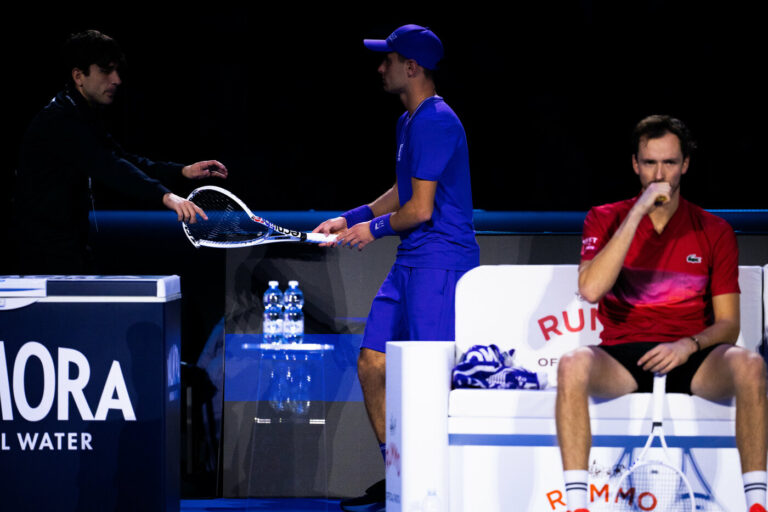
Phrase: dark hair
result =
(90, 47)
(656, 126)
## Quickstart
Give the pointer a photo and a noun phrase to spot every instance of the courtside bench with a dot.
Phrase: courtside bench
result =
(494, 450)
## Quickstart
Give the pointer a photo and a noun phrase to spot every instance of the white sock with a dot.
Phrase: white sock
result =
(754, 487)
(576, 488)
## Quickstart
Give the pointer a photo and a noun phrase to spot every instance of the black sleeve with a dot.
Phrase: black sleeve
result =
(166, 172)
(106, 163)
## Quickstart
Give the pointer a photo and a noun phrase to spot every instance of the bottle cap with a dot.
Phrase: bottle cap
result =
(293, 283)
(273, 283)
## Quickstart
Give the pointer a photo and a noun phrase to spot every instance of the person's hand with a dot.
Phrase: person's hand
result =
(654, 195)
(204, 169)
(335, 226)
(357, 236)
(664, 357)
(187, 211)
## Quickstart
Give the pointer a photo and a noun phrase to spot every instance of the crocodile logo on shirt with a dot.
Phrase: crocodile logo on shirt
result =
(692, 258)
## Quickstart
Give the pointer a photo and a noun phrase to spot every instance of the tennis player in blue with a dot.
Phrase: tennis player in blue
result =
(429, 208)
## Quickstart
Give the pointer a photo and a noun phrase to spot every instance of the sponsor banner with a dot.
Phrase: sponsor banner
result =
(89, 404)
(530, 479)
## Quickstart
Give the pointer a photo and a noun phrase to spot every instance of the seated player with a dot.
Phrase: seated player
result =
(665, 275)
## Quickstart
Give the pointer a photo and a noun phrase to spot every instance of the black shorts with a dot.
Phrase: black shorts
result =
(678, 380)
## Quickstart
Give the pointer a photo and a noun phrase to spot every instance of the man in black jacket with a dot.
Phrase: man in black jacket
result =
(66, 147)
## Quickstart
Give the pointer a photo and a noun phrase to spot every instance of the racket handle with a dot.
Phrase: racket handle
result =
(319, 238)
(659, 391)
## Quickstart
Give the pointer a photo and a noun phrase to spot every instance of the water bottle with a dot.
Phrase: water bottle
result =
(273, 314)
(293, 316)
(293, 295)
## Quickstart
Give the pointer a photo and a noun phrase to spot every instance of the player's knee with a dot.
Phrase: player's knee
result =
(573, 367)
(750, 371)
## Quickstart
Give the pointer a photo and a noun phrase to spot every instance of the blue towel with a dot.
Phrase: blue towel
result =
(487, 367)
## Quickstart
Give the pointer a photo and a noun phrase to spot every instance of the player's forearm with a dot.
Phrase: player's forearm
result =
(418, 209)
(722, 331)
(597, 276)
(725, 329)
(388, 202)
(409, 216)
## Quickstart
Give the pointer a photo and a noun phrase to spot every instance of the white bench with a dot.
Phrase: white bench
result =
(489, 450)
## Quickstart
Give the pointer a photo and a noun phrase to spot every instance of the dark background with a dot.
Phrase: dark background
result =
(290, 100)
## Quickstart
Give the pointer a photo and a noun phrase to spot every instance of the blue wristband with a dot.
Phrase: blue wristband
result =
(358, 215)
(380, 226)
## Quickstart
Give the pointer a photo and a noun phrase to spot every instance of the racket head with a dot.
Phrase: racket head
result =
(230, 222)
(653, 485)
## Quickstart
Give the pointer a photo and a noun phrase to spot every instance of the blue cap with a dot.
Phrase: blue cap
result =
(412, 42)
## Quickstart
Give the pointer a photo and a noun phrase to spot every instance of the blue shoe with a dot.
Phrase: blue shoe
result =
(372, 501)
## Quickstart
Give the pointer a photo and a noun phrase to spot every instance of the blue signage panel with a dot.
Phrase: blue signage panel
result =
(89, 402)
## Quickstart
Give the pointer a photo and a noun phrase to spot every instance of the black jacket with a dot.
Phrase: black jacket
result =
(65, 147)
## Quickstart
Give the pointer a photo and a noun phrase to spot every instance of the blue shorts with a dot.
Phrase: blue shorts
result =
(413, 304)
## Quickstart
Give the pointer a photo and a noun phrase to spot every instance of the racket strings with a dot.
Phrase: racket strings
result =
(227, 221)
(653, 486)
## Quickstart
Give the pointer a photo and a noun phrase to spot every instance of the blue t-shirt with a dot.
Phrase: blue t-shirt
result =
(432, 146)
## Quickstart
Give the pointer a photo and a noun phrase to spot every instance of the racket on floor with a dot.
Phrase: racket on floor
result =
(654, 484)
(232, 224)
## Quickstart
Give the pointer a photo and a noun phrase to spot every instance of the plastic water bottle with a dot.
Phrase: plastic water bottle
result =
(293, 295)
(273, 314)
(293, 316)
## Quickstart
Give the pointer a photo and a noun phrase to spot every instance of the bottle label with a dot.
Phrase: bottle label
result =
(273, 327)
(294, 327)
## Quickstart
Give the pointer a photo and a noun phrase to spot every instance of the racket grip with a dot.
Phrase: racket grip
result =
(319, 238)
(659, 392)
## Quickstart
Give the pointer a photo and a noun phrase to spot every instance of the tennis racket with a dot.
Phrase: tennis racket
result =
(232, 224)
(654, 484)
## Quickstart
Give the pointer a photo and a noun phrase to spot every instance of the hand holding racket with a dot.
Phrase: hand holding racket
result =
(665, 357)
(354, 237)
(357, 237)
(654, 484)
(186, 211)
(335, 227)
(230, 223)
